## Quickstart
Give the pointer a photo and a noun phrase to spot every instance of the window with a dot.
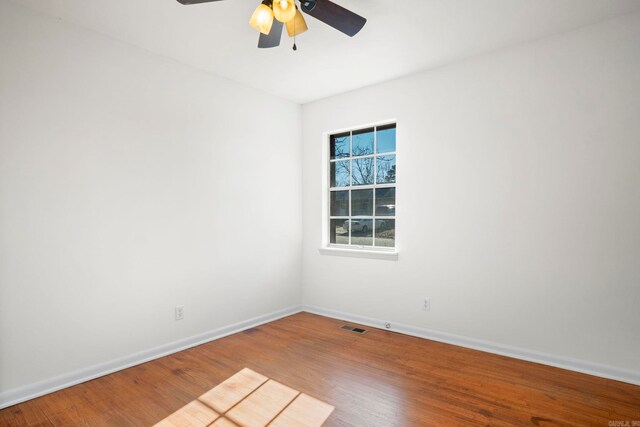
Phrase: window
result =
(362, 188)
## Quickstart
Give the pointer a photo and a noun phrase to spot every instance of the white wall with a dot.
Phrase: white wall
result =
(518, 198)
(130, 184)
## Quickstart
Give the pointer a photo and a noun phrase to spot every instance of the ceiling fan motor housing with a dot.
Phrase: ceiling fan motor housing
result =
(308, 5)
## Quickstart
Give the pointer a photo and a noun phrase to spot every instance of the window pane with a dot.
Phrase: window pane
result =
(385, 202)
(386, 169)
(339, 146)
(340, 173)
(362, 142)
(362, 203)
(337, 232)
(363, 171)
(386, 139)
(339, 203)
(386, 232)
(361, 231)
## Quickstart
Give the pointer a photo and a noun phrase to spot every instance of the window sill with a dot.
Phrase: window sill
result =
(359, 253)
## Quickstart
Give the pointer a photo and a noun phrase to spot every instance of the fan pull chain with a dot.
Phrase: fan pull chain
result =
(294, 34)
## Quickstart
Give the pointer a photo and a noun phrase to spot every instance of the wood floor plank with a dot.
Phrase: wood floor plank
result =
(193, 414)
(223, 422)
(263, 405)
(379, 378)
(304, 411)
(224, 396)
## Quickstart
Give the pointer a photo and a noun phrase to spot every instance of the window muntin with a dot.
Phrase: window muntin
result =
(362, 187)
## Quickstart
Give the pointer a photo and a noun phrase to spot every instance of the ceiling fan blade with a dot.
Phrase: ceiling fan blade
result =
(187, 2)
(334, 15)
(273, 39)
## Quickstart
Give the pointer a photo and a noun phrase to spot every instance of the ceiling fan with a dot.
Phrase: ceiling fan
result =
(286, 12)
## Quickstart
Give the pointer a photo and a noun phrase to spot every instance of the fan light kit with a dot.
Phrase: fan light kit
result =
(271, 15)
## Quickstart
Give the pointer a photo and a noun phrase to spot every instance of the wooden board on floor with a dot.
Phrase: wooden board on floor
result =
(193, 414)
(304, 411)
(223, 422)
(263, 405)
(233, 390)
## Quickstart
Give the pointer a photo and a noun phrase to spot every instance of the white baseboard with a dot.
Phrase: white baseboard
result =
(583, 366)
(18, 395)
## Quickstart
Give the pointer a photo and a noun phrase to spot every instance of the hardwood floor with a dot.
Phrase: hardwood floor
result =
(377, 379)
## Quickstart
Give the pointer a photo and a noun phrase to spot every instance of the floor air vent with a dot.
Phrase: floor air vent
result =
(352, 329)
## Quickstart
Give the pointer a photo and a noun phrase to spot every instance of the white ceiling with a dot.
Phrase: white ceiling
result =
(400, 37)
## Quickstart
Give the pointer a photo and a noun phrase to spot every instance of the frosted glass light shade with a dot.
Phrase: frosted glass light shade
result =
(284, 10)
(262, 18)
(297, 25)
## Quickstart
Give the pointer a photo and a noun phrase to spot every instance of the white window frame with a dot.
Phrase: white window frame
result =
(328, 248)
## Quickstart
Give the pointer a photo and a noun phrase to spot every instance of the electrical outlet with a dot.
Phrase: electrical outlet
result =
(179, 312)
(426, 304)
